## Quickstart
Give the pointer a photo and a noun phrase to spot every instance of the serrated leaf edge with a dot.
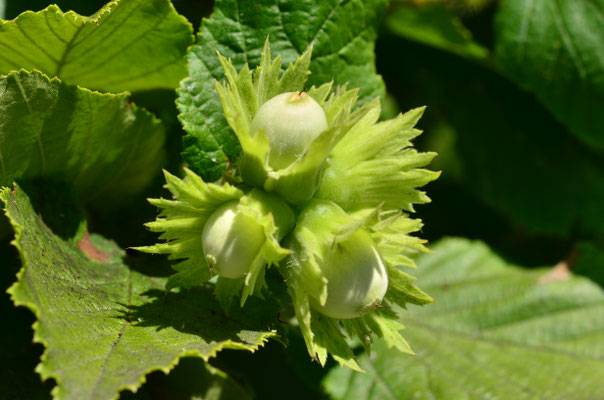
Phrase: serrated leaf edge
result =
(5, 196)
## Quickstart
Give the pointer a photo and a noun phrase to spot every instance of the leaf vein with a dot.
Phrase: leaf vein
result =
(138, 76)
(116, 341)
(87, 148)
(94, 67)
(502, 342)
(18, 53)
(325, 22)
(244, 46)
(52, 30)
(35, 43)
(124, 166)
(34, 122)
(567, 38)
(67, 50)
(379, 379)
(285, 30)
(107, 16)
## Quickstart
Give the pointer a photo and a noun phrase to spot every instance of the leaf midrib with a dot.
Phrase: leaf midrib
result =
(117, 340)
(68, 47)
(35, 123)
(499, 342)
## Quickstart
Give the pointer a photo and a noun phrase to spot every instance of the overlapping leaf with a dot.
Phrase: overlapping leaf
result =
(511, 153)
(102, 144)
(341, 33)
(127, 45)
(497, 331)
(105, 326)
(435, 26)
(554, 49)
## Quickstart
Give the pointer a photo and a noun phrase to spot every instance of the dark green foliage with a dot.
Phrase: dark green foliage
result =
(514, 92)
(554, 50)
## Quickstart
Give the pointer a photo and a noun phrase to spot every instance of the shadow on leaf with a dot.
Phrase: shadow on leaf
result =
(196, 311)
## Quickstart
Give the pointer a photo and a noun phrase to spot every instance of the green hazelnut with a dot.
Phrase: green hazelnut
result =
(292, 121)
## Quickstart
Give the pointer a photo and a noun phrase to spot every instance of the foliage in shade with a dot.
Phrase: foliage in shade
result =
(192, 379)
(106, 147)
(435, 26)
(497, 331)
(128, 45)
(590, 261)
(527, 167)
(106, 326)
(554, 49)
(341, 33)
(529, 190)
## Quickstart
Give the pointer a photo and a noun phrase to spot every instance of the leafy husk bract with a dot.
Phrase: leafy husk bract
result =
(321, 225)
(375, 164)
(181, 222)
(245, 92)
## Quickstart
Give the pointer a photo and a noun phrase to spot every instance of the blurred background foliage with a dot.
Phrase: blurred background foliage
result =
(514, 112)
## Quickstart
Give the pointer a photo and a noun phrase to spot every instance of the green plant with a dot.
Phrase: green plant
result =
(288, 235)
(286, 139)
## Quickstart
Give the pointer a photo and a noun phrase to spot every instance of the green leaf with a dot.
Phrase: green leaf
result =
(527, 167)
(435, 26)
(497, 331)
(127, 45)
(106, 326)
(102, 144)
(519, 166)
(554, 49)
(342, 34)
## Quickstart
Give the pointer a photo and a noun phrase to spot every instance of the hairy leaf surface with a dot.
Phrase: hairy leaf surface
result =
(342, 34)
(127, 45)
(554, 49)
(102, 144)
(497, 331)
(104, 325)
